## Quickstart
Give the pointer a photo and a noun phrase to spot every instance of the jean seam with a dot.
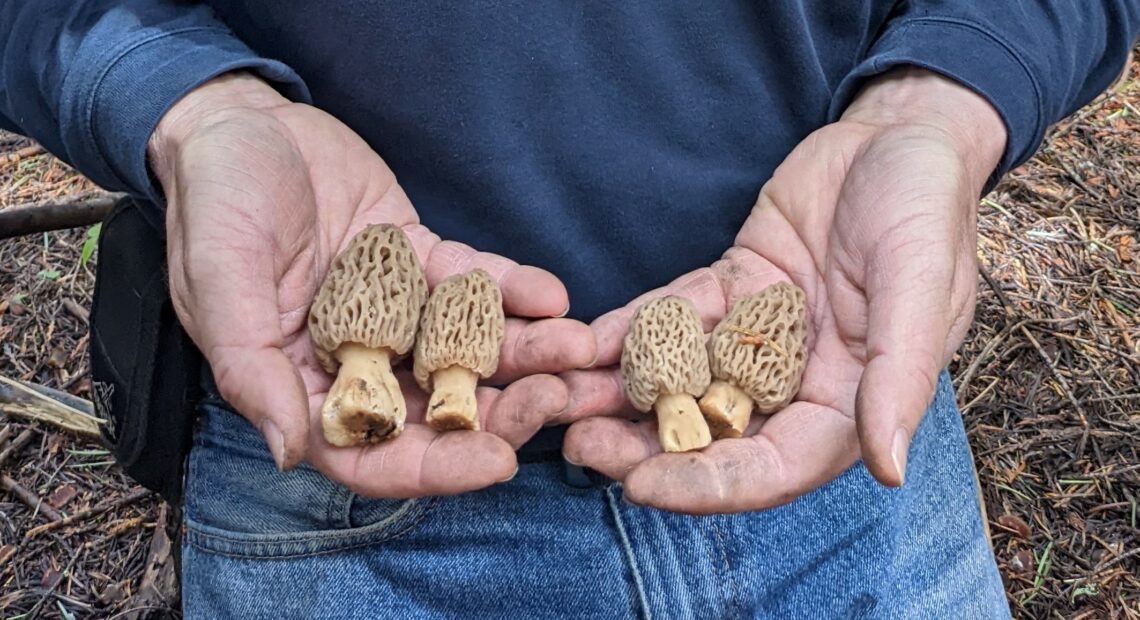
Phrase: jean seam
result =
(197, 539)
(732, 588)
(627, 548)
(340, 506)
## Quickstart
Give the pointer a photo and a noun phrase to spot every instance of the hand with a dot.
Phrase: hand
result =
(874, 217)
(261, 195)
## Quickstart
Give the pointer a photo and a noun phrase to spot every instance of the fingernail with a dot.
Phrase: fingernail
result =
(564, 312)
(899, 452)
(512, 476)
(566, 457)
(276, 442)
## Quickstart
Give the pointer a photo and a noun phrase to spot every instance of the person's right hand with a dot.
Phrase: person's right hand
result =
(262, 194)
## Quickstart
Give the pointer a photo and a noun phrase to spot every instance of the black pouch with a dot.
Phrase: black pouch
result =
(145, 370)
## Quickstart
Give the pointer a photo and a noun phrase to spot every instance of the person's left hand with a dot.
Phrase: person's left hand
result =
(874, 217)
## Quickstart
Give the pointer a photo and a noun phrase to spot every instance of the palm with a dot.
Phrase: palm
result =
(261, 203)
(863, 219)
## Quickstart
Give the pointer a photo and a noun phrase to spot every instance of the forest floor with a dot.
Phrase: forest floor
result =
(1048, 382)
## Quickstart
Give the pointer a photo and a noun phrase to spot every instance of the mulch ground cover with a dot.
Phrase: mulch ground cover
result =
(1048, 382)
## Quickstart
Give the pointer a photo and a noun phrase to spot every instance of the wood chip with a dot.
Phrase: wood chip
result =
(62, 495)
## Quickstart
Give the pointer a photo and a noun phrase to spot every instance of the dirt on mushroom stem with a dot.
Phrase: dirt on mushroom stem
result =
(352, 413)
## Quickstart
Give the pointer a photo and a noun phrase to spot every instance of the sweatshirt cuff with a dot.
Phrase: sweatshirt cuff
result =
(113, 111)
(972, 55)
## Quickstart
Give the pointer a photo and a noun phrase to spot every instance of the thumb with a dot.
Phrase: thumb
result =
(910, 316)
(266, 388)
(233, 316)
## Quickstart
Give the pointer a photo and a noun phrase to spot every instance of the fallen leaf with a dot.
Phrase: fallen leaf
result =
(1124, 249)
(1016, 525)
(50, 579)
(59, 498)
(16, 308)
(6, 552)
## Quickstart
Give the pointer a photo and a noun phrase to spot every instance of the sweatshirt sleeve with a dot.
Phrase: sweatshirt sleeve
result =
(1035, 61)
(90, 79)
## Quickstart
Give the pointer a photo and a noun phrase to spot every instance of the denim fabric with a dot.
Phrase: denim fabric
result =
(263, 544)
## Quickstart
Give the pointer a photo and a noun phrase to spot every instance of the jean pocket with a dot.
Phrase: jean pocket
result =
(239, 504)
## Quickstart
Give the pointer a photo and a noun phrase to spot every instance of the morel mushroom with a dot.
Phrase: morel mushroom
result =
(757, 356)
(363, 319)
(665, 368)
(461, 330)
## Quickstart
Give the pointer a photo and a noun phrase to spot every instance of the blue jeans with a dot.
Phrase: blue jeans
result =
(263, 544)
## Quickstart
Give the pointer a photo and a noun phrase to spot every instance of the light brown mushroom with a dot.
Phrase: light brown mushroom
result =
(757, 355)
(363, 320)
(665, 368)
(461, 331)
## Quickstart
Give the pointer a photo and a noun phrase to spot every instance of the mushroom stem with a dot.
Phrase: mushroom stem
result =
(452, 405)
(727, 409)
(364, 404)
(680, 426)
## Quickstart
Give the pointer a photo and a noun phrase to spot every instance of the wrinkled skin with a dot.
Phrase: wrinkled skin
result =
(261, 195)
(874, 217)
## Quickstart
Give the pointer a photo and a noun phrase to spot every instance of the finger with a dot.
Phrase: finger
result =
(597, 392)
(910, 316)
(610, 446)
(233, 317)
(519, 411)
(264, 386)
(796, 451)
(548, 346)
(527, 291)
(420, 462)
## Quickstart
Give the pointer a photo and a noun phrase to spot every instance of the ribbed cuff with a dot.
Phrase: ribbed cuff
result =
(115, 110)
(971, 55)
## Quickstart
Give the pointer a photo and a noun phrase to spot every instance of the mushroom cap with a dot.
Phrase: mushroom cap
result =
(461, 325)
(372, 296)
(769, 368)
(664, 352)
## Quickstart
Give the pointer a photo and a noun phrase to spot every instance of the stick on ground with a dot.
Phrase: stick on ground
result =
(18, 399)
(34, 219)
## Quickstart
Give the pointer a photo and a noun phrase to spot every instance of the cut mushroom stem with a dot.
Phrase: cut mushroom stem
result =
(680, 426)
(364, 404)
(453, 405)
(727, 409)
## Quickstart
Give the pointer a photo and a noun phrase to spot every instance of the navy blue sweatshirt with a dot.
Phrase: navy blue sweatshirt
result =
(617, 143)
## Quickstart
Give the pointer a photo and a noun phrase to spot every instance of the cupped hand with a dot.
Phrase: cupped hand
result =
(874, 218)
(261, 195)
